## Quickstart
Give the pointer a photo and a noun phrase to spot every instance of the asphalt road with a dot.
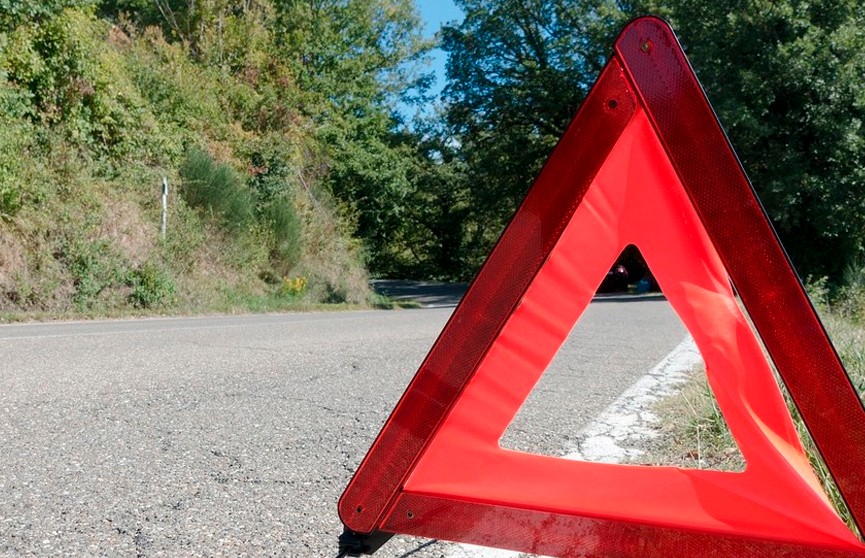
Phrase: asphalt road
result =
(235, 436)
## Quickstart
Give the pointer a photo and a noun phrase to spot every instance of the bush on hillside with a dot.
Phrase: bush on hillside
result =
(217, 189)
(283, 224)
(151, 286)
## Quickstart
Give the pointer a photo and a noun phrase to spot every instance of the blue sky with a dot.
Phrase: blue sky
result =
(434, 13)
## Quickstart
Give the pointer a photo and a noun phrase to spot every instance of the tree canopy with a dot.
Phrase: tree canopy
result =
(785, 78)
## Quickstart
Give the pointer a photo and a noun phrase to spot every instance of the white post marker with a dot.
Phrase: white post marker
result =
(164, 204)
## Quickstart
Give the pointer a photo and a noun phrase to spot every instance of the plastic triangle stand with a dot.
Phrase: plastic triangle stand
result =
(644, 162)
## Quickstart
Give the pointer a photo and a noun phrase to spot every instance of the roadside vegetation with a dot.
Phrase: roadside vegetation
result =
(693, 433)
(101, 100)
(305, 154)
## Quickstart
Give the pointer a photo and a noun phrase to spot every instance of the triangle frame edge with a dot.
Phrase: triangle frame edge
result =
(770, 289)
(486, 306)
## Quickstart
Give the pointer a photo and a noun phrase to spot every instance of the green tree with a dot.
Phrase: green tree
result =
(354, 62)
(431, 239)
(15, 12)
(220, 31)
(356, 54)
(517, 71)
(785, 77)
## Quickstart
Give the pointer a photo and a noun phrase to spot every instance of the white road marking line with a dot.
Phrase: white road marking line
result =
(613, 435)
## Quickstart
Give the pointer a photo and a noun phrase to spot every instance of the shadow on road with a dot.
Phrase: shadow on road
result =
(627, 297)
(432, 294)
(429, 294)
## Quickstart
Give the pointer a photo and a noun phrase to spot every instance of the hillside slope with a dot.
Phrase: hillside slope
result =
(95, 111)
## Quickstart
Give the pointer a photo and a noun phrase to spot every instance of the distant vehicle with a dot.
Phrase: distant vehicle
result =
(616, 280)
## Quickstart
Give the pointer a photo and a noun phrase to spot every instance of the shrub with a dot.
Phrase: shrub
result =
(94, 268)
(151, 286)
(65, 73)
(292, 287)
(16, 138)
(217, 189)
(281, 220)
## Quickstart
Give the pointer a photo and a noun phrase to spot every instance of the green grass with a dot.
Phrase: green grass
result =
(383, 302)
(848, 336)
(239, 304)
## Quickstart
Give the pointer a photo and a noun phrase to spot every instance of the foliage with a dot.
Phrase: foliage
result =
(274, 170)
(151, 286)
(344, 65)
(846, 301)
(354, 60)
(94, 267)
(15, 138)
(16, 12)
(217, 189)
(433, 240)
(351, 58)
(283, 123)
(294, 286)
(280, 218)
(329, 253)
(785, 78)
(96, 107)
(64, 75)
(692, 431)
(517, 72)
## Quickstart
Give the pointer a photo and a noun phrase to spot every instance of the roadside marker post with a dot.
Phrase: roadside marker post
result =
(164, 206)
(645, 162)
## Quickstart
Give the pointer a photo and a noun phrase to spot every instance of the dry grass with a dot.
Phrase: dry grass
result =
(692, 432)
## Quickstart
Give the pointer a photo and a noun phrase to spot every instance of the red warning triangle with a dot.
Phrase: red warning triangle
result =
(644, 162)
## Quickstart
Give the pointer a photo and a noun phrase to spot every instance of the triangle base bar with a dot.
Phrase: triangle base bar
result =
(568, 536)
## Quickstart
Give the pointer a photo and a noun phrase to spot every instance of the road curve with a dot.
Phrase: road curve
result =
(235, 435)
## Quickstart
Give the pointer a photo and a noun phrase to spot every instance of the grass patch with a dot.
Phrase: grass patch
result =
(383, 302)
(848, 336)
(242, 303)
(694, 434)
